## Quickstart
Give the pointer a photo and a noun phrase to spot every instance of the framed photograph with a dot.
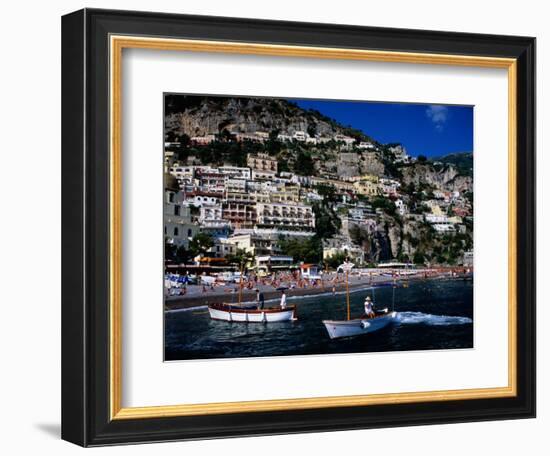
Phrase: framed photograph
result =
(279, 227)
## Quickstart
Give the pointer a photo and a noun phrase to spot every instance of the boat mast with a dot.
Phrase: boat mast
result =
(347, 292)
(241, 284)
(393, 295)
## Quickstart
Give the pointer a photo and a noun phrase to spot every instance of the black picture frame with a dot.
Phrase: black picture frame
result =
(85, 225)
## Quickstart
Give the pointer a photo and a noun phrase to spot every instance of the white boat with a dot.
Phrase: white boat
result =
(228, 312)
(358, 326)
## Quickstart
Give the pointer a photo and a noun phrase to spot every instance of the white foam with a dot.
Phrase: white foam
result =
(407, 318)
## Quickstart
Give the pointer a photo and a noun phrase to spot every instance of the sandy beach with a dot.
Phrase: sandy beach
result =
(196, 296)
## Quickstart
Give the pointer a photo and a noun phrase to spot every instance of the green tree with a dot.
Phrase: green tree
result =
(327, 222)
(308, 250)
(327, 192)
(200, 244)
(169, 252)
(386, 204)
(304, 165)
(241, 258)
(418, 258)
(335, 260)
(273, 145)
(182, 255)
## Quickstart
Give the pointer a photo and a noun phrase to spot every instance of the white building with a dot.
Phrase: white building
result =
(432, 218)
(300, 136)
(443, 228)
(235, 185)
(210, 213)
(366, 145)
(281, 214)
(263, 175)
(235, 172)
(178, 228)
(401, 207)
(200, 199)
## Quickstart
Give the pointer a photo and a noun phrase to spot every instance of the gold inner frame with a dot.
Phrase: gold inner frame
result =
(117, 44)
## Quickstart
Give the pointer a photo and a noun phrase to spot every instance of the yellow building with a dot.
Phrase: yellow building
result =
(366, 187)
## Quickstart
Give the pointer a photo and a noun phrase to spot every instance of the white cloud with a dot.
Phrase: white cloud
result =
(438, 115)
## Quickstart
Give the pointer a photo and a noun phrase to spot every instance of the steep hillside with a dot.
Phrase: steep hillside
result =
(202, 115)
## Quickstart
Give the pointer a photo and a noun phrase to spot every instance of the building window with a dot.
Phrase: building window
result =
(165, 230)
(171, 197)
(176, 231)
(176, 210)
(189, 232)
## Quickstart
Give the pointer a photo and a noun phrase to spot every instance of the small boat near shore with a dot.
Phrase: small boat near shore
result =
(228, 312)
(250, 313)
(358, 326)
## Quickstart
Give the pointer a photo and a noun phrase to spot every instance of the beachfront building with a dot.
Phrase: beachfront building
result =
(222, 248)
(285, 215)
(270, 263)
(310, 270)
(253, 243)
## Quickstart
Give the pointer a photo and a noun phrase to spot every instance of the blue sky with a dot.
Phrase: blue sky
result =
(430, 130)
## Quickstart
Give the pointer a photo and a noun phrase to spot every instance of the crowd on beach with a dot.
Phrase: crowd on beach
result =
(182, 284)
(178, 285)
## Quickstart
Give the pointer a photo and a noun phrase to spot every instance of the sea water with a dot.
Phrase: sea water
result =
(431, 314)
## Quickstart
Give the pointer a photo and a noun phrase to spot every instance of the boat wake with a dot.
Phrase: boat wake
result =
(408, 318)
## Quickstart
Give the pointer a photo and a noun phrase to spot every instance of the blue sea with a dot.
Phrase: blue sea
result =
(431, 314)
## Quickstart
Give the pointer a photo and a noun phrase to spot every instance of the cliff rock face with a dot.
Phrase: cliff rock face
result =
(348, 164)
(199, 116)
(448, 178)
(371, 163)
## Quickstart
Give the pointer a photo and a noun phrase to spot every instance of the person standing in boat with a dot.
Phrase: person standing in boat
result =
(369, 309)
(283, 300)
(260, 299)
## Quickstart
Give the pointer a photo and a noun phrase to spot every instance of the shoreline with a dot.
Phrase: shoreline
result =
(198, 300)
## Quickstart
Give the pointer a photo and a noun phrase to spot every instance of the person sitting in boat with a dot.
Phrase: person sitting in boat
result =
(369, 309)
(283, 300)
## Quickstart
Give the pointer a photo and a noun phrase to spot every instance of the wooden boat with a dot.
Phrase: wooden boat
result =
(228, 312)
(358, 326)
(250, 313)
